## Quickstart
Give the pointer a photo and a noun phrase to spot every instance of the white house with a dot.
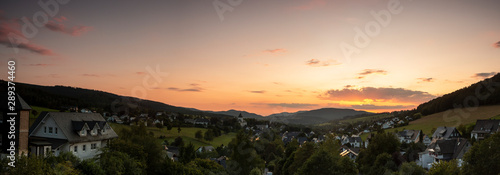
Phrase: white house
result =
(80, 133)
(443, 150)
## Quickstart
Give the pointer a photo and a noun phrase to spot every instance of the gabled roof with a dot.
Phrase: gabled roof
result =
(71, 122)
(452, 147)
(444, 132)
(486, 126)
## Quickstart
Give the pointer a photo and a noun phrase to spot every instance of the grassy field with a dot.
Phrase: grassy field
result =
(187, 134)
(450, 118)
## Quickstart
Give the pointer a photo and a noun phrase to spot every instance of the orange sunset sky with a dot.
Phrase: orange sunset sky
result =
(260, 56)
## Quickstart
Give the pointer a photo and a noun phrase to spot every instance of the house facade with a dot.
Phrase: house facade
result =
(83, 134)
(443, 150)
(409, 136)
(485, 128)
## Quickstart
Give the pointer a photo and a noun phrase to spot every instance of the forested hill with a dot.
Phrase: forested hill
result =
(483, 93)
(63, 97)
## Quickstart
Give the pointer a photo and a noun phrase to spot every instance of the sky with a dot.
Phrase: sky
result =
(264, 57)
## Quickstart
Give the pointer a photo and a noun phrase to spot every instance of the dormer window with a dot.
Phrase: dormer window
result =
(94, 131)
(83, 132)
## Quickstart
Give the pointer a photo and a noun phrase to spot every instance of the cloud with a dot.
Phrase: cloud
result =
(258, 92)
(292, 105)
(426, 79)
(10, 29)
(275, 51)
(371, 71)
(317, 63)
(377, 94)
(184, 90)
(496, 45)
(73, 31)
(194, 88)
(309, 5)
(141, 73)
(61, 19)
(41, 65)
(349, 86)
(91, 75)
(484, 74)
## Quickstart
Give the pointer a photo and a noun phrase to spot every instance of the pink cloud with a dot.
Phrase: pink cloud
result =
(73, 31)
(41, 65)
(275, 50)
(60, 19)
(10, 31)
(311, 4)
(496, 45)
(141, 73)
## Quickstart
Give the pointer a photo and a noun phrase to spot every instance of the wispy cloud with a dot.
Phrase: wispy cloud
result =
(73, 31)
(484, 74)
(318, 63)
(496, 45)
(377, 94)
(91, 75)
(40, 65)
(275, 51)
(258, 92)
(10, 29)
(309, 5)
(141, 73)
(366, 72)
(292, 105)
(426, 79)
(194, 87)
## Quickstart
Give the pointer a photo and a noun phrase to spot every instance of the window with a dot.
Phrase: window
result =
(56, 130)
(83, 147)
(45, 129)
(93, 146)
(50, 130)
(75, 149)
(94, 131)
(82, 132)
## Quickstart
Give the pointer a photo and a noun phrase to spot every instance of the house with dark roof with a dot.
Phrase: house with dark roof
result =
(409, 136)
(352, 153)
(80, 133)
(443, 150)
(485, 128)
(446, 133)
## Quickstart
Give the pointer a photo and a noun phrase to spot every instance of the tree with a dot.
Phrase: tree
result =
(159, 125)
(243, 158)
(256, 171)
(209, 135)
(329, 160)
(187, 153)
(411, 168)
(381, 143)
(178, 142)
(445, 167)
(90, 167)
(31, 166)
(483, 157)
(179, 129)
(198, 135)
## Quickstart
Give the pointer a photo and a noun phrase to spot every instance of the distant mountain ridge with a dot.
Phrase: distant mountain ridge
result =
(235, 113)
(59, 97)
(316, 116)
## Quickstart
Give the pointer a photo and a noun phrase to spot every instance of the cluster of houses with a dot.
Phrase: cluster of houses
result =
(447, 143)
